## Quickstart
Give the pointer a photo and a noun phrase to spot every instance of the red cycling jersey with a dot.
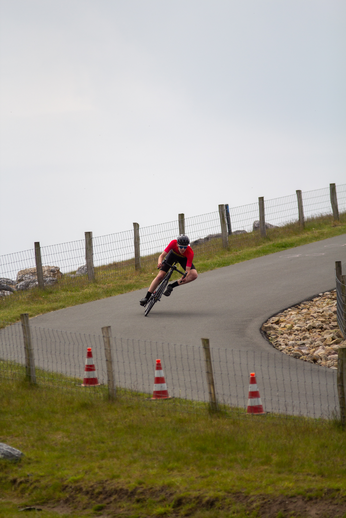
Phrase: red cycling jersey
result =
(173, 245)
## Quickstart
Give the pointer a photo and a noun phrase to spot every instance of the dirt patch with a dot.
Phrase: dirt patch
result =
(109, 500)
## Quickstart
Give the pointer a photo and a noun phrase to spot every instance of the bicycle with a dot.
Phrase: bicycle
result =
(156, 296)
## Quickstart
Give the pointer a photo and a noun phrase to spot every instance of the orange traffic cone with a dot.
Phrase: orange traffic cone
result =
(254, 405)
(90, 379)
(160, 387)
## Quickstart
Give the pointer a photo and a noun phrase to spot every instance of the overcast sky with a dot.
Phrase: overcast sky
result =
(122, 111)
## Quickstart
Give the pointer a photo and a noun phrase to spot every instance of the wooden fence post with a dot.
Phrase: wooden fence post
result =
(300, 209)
(341, 381)
(334, 202)
(224, 233)
(338, 269)
(210, 377)
(89, 255)
(342, 312)
(228, 219)
(107, 338)
(29, 353)
(137, 246)
(38, 260)
(341, 298)
(262, 217)
(181, 220)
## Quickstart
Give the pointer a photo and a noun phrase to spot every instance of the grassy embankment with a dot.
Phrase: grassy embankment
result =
(116, 279)
(86, 456)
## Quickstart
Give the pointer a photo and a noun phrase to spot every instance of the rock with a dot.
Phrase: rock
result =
(26, 285)
(48, 271)
(310, 331)
(7, 286)
(214, 236)
(7, 282)
(9, 453)
(27, 279)
(82, 270)
(205, 239)
(320, 351)
(256, 225)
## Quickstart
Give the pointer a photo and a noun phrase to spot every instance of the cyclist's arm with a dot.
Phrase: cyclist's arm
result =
(161, 258)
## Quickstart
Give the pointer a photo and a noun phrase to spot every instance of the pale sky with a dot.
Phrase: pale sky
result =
(122, 111)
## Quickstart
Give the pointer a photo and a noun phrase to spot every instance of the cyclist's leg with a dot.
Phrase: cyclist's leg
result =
(155, 283)
(170, 287)
(191, 276)
(159, 277)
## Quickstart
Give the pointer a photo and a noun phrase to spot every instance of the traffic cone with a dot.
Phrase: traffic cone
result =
(90, 379)
(254, 405)
(160, 387)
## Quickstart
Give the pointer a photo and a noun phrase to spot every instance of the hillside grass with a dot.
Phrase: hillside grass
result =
(87, 456)
(115, 279)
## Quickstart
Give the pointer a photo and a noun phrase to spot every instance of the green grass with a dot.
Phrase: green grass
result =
(116, 279)
(86, 456)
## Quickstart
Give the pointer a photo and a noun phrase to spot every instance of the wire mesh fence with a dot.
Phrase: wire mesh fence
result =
(115, 253)
(287, 387)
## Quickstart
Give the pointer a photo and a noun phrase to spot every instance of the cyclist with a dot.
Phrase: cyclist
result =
(178, 251)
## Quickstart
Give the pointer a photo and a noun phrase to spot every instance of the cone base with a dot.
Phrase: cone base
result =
(256, 412)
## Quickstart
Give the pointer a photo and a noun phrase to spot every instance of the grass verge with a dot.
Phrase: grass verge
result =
(86, 456)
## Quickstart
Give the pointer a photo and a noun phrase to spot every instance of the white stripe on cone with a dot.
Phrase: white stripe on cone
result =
(161, 386)
(254, 402)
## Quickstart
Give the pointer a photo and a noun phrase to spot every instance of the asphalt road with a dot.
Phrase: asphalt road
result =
(228, 306)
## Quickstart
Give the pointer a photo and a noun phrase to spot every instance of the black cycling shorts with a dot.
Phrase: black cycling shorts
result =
(172, 258)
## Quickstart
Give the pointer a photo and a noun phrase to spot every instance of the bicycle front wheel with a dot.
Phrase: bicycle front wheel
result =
(149, 306)
(161, 289)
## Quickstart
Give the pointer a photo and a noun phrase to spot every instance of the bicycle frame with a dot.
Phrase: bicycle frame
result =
(156, 296)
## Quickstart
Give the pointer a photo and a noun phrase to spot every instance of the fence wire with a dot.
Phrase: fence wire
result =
(288, 387)
(115, 252)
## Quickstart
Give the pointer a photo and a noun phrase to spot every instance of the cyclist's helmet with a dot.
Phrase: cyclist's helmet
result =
(183, 240)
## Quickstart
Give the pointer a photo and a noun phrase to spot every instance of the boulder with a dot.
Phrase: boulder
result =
(212, 236)
(206, 239)
(256, 225)
(7, 286)
(48, 271)
(27, 279)
(82, 270)
(7, 282)
(9, 453)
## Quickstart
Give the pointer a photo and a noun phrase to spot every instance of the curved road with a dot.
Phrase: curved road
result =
(228, 306)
